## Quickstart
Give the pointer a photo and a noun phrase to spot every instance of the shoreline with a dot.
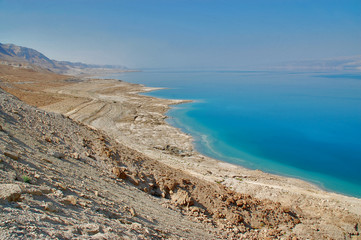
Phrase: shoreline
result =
(204, 142)
(195, 163)
(314, 183)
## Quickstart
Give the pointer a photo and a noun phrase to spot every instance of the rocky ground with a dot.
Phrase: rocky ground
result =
(56, 182)
(128, 175)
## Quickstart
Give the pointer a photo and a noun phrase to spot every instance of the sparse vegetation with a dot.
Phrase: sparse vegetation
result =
(26, 179)
(220, 181)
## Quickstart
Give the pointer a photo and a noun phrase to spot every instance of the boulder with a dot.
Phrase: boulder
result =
(10, 192)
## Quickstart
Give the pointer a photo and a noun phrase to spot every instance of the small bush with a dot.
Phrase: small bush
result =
(26, 179)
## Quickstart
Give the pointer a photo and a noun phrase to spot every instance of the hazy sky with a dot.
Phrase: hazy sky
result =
(185, 34)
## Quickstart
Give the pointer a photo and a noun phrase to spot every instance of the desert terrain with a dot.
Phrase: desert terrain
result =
(94, 159)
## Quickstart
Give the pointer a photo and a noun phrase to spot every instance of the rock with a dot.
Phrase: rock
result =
(90, 228)
(132, 212)
(46, 160)
(1, 128)
(10, 192)
(61, 186)
(74, 230)
(182, 198)
(136, 226)
(102, 236)
(119, 172)
(11, 155)
(56, 154)
(49, 206)
(70, 199)
(34, 191)
(133, 180)
(45, 189)
(196, 210)
(58, 193)
(235, 219)
(75, 156)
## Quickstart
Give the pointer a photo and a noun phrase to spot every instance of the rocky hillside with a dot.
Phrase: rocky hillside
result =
(17, 54)
(56, 182)
(61, 179)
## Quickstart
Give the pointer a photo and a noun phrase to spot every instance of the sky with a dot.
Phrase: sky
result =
(195, 34)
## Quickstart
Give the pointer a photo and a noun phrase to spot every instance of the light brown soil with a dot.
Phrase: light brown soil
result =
(138, 146)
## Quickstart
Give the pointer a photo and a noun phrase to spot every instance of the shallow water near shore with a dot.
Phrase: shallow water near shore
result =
(304, 125)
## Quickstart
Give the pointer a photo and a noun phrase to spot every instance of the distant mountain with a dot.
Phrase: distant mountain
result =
(352, 63)
(11, 54)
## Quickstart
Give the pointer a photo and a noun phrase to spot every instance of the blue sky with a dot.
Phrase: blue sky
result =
(184, 34)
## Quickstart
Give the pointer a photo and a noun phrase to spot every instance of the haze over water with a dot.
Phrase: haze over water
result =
(304, 125)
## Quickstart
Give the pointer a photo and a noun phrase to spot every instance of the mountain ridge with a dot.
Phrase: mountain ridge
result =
(11, 53)
(347, 63)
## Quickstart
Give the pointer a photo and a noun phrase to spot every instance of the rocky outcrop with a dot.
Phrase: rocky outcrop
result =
(10, 192)
(182, 198)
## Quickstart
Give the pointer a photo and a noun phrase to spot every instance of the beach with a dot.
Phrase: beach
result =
(138, 122)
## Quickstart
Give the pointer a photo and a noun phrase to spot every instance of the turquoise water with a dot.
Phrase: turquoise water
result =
(304, 125)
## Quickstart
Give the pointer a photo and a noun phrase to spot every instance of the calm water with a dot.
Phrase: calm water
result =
(305, 125)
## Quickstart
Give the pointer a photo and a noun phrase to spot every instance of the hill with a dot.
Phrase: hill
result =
(28, 57)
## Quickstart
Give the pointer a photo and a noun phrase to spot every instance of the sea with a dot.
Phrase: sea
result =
(305, 125)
